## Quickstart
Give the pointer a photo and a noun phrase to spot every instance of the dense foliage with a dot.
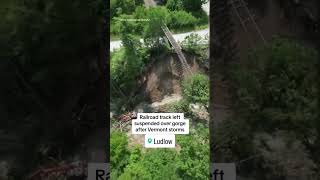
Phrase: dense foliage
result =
(278, 87)
(177, 19)
(197, 45)
(196, 89)
(187, 5)
(190, 162)
(119, 152)
(181, 19)
(129, 161)
(275, 129)
(119, 7)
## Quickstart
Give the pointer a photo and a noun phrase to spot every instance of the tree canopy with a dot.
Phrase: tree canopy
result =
(192, 161)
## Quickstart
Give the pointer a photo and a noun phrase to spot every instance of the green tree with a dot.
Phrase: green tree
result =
(181, 19)
(119, 7)
(158, 16)
(127, 62)
(188, 5)
(193, 5)
(174, 5)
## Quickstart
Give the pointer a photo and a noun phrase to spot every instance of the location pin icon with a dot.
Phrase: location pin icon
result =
(149, 140)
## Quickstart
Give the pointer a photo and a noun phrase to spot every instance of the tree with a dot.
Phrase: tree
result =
(188, 5)
(128, 62)
(181, 19)
(174, 5)
(193, 5)
(153, 30)
(119, 7)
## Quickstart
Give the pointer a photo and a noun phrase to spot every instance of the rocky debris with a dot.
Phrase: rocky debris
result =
(200, 111)
(166, 100)
(158, 106)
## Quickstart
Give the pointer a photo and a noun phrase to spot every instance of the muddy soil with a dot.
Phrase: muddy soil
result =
(164, 76)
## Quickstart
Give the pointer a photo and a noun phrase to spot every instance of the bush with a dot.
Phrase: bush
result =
(197, 45)
(155, 164)
(194, 43)
(196, 89)
(136, 171)
(181, 106)
(277, 88)
(193, 161)
(119, 152)
(181, 19)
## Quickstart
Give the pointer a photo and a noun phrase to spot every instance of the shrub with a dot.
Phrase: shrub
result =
(181, 19)
(194, 43)
(277, 86)
(276, 90)
(181, 106)
(196, 89)
(193, 161)
(119, 151)
(156, 164)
